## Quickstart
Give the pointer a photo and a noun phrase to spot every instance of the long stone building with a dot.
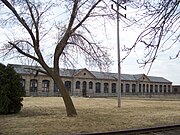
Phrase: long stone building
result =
(82, 82)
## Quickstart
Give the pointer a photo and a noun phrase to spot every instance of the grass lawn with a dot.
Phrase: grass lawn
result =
(47, 115)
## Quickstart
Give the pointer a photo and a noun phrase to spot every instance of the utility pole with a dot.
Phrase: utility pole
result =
(118, 46)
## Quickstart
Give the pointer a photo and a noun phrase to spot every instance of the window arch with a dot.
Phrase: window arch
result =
(77, 84)
(33, 85)
(90, 85)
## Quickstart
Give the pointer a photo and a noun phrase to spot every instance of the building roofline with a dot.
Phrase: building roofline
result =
(97, 75)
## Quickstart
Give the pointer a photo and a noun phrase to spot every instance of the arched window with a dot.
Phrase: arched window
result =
(164, 88)
(33, 85)
(45, 86)
(98, 87)
(77, 84)
(151, 88)
(113, 87)
(106, 85)
(84, 88)
(147, 88)
(90, 85)
(133, 88)
(68, 85)
(127, 88)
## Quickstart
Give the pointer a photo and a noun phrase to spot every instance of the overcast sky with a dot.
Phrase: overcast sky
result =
(163, 66)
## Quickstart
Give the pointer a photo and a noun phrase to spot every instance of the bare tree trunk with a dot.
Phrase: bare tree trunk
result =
(32, 21)
(70, 109)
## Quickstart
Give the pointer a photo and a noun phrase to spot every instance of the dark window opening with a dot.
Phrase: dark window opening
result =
(147, 88)
(45, 86)
(113, 85)
(98, 87)
(127, 88)
(164, 88)
(78, 85)
(156, 88)
(160, 88)
(33, 85)
(90, 85)
(133, 88)
(151, 88)
(140, 88)
(106, 88)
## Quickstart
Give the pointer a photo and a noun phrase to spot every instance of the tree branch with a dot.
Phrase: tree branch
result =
(22, 52)
(87, 15)
(21, 20)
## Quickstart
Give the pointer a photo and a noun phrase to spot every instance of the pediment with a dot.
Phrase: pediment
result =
(84, 73)
(144, 78)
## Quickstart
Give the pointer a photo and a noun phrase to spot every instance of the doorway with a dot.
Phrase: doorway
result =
(84, 88)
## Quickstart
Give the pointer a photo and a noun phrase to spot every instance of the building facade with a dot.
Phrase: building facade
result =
(82, 82)
(176, 89)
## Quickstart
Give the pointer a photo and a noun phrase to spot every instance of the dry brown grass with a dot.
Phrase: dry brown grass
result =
(47, 115)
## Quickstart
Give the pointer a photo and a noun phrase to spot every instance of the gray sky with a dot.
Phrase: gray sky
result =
(162, 66)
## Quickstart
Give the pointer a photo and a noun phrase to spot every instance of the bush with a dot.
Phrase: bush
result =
(11, 90)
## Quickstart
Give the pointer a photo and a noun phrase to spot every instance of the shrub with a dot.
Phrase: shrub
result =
(11, 90)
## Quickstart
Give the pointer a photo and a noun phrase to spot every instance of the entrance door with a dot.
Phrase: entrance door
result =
(84, 85)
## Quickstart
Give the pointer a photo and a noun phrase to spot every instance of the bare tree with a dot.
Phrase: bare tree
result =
(32, 18)
(160, 20)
